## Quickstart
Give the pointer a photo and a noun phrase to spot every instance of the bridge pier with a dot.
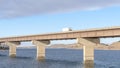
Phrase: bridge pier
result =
(88, 49)
(40, 48)
(12, 48)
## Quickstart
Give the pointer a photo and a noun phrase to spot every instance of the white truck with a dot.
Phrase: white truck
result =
(66, 29)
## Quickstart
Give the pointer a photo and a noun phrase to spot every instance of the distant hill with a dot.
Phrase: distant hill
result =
(115, 46)
(102, 46)
(64, 46)
(24, 47)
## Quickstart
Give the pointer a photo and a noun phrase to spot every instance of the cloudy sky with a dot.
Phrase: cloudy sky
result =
(16, 8)
(25, 17)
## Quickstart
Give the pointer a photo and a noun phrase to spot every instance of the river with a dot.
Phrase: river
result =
(59, 58)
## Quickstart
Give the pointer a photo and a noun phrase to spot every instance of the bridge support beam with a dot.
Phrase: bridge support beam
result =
(12, 48)
(40, 48)
(88, 49)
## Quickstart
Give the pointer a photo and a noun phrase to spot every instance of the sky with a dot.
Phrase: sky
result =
(26, 17)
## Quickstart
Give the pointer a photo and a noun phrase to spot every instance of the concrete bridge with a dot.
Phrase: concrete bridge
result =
(87, 38)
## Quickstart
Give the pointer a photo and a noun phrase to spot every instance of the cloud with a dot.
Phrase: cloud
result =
(17, 8)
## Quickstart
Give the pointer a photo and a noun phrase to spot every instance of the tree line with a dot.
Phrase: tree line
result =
(3, 47)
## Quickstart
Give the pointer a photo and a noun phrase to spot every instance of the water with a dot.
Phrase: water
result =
(58, 58)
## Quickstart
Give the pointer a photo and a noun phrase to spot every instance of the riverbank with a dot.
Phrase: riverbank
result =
(113, 46)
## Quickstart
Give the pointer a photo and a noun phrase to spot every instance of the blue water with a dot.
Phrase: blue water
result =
(58, 58)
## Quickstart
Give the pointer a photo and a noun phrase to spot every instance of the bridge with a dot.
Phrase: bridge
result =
(87, 38)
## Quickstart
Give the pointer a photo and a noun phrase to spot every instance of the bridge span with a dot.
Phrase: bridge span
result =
(87, 38)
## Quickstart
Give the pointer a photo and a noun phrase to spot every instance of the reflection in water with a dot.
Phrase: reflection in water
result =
(89, 64)
(18, 57)
(40, 58)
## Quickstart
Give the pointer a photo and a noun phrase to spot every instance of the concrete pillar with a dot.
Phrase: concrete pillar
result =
(88, 56)
(12, 48)
(88, 49)
(40, 48)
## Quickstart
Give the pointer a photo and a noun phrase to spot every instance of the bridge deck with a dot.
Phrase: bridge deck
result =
(104, 32)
